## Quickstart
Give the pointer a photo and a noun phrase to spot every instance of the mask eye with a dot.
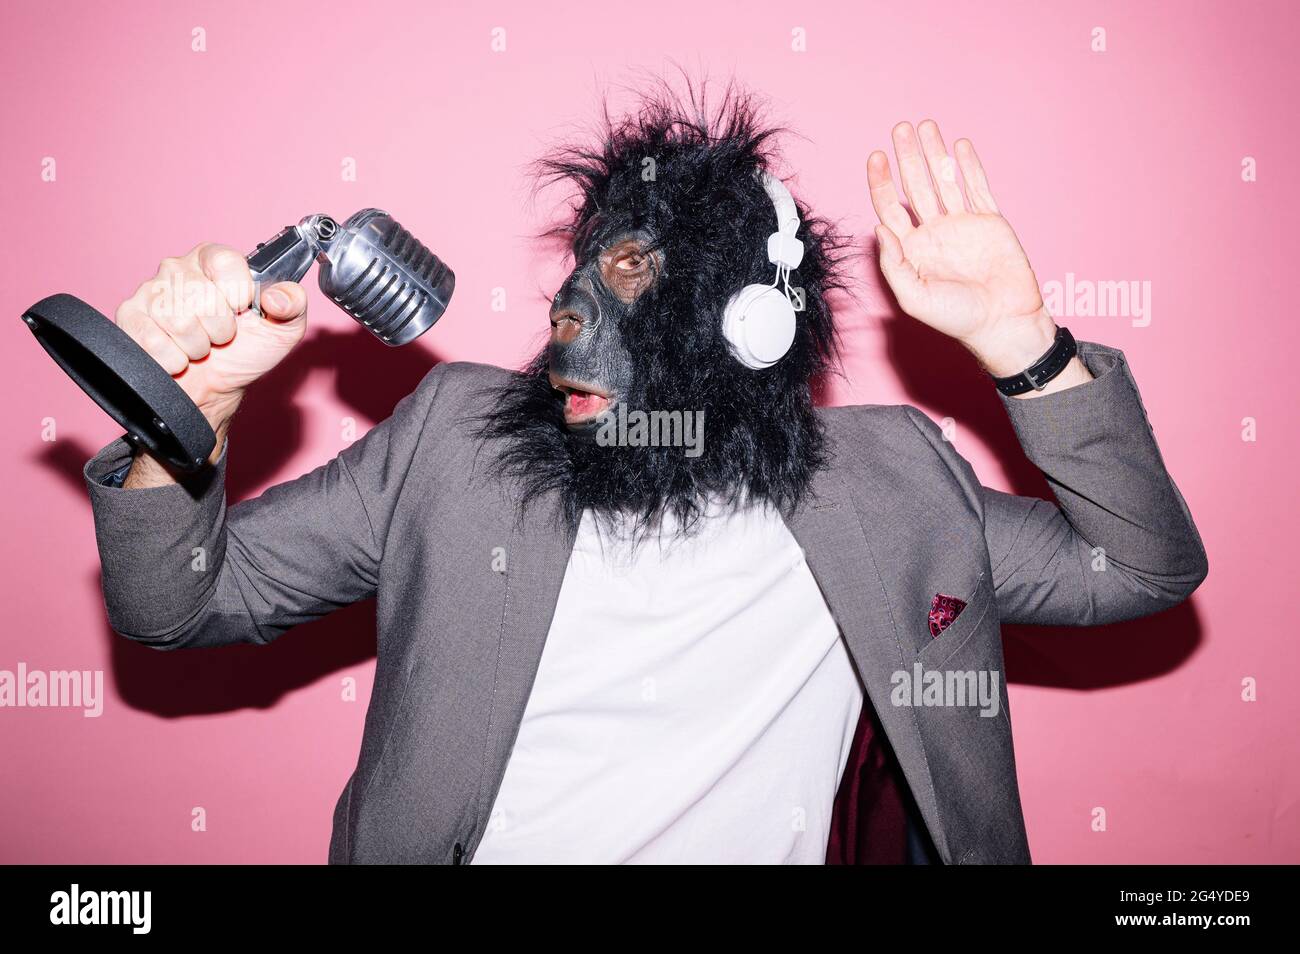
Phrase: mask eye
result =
(628, 269)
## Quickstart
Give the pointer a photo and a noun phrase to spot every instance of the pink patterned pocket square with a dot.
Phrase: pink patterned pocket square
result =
(943, 610)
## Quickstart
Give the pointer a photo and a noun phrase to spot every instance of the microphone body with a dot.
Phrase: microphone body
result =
(370, 266)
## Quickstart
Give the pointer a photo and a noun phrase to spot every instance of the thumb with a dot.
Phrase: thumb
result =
(284, 302)
(902, 277)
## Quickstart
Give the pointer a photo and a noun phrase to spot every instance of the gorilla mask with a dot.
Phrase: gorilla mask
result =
(671, 220)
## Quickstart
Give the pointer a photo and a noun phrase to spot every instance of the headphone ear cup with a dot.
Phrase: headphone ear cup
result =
(759, 325)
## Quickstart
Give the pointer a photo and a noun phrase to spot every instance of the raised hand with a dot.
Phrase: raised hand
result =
(954, 262)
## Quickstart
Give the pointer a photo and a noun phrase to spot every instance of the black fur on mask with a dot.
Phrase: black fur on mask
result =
(710, 218)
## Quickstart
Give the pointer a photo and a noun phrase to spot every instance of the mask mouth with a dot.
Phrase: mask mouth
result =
(583, 402)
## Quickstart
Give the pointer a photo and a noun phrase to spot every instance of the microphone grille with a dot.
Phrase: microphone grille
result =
(385, 278)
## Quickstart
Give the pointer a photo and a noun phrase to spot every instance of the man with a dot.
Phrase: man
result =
(602, 639)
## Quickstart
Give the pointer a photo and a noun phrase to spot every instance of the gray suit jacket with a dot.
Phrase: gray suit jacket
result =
(410, 514)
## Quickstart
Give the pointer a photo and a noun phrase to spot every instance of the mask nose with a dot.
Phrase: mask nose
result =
(566, 325)
(572, 308)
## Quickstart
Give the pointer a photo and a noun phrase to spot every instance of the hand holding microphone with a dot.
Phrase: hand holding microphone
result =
(189, 342)
(195, 318)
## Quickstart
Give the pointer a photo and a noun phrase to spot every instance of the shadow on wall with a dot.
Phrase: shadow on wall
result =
(371, 379)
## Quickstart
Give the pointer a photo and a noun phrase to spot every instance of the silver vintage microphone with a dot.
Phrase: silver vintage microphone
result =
(371, 267)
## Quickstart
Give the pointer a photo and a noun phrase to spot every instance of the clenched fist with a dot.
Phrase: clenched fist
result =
(195, 318)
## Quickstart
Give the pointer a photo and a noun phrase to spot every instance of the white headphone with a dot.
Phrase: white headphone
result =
(759, 320)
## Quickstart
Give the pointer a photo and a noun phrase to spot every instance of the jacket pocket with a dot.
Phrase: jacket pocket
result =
(934, 653)
(388, 714)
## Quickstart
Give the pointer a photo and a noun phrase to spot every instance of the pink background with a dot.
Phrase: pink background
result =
(1116, 166)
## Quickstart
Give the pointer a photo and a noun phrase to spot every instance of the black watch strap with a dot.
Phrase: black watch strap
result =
(1036, 376)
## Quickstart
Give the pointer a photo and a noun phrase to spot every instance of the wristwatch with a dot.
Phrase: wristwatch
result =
(1036, 376)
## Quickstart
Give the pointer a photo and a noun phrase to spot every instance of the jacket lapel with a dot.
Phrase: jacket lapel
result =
(541, 545)
(829, 528)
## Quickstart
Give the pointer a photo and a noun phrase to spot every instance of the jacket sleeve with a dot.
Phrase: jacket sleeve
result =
(1119, 542)
(182, 570)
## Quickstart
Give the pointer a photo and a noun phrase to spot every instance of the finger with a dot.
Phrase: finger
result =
(943, 170)
(174, 299)
(915, 175)
(284, 302)
(230, 290)
(144, 331)
(902, 278)
(228, 270)
(884, 195)
(977, 184)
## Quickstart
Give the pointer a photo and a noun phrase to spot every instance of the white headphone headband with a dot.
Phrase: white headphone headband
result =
(783, 249)
(787, 215)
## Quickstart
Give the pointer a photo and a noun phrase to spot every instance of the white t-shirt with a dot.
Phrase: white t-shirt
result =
(694, 703)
